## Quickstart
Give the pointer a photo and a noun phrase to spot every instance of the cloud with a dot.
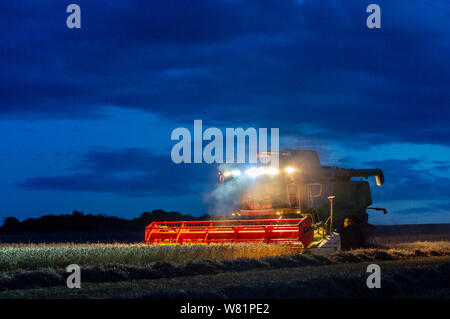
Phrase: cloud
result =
(127, 171)
(406, 180)
(288, 64)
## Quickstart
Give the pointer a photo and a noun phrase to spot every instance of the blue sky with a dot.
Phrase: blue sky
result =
(86, 115)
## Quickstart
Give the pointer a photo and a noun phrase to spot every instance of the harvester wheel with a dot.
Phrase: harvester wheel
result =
(352, 235)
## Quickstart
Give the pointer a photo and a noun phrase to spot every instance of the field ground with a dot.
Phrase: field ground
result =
(411, 268)
(425, 277)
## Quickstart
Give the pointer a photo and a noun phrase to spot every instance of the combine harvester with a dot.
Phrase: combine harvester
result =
(302, 203)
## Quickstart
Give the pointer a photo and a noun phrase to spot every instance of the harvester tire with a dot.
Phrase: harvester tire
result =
(352, 237)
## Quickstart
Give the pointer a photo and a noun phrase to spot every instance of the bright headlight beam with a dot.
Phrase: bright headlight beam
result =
(231, 173)
(256, 171)
(252, 172)
(271, 171)
(235, 173)
(289, 170)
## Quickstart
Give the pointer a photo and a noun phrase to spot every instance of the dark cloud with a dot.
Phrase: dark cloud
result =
(445, 206)
(130, 172)
(296, 65)
(436, 207)
(443, 168)
(404, 180)
(425, 210)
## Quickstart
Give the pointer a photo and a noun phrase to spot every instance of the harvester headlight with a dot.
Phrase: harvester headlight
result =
(256, 171)
(271, 171)
(289, 170)
(235, 173)
(231, 173)
(253, 172)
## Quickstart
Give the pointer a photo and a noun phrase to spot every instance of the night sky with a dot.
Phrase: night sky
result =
(86, 114)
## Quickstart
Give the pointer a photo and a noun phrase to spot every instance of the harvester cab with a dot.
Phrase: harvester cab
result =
(302, 186)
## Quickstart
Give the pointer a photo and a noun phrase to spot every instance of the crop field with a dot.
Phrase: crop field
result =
(34, 257)
(410, 269)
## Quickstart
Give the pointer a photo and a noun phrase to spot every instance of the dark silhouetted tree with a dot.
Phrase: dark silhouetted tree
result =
(10, 224)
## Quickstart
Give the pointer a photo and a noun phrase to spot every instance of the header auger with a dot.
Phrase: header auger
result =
(301, 202)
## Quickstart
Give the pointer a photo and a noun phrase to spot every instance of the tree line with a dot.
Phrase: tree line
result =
(79, 221)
